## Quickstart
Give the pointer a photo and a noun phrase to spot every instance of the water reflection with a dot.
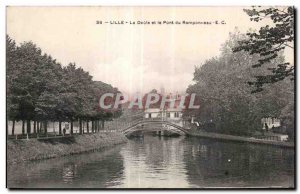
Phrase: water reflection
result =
(91, 170)
(153, 162)
(226, 164)
(69, 172)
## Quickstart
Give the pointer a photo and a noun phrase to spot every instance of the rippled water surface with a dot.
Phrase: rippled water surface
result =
(151, 162)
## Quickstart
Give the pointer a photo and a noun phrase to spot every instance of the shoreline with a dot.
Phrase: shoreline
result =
(19, 151)
(38, 149)
(241, 139)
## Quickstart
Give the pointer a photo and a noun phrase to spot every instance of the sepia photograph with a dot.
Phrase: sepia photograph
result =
(150, 97)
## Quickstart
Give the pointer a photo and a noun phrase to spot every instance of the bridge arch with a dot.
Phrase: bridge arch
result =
(134, 126)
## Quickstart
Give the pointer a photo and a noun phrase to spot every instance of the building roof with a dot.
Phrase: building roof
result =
(157, 110)
(152, 110)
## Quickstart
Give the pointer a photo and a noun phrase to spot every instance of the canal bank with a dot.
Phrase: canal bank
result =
(37, 149)
(159, 162)
(240, 139)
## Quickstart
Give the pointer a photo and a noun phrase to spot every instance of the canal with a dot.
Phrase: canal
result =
(153, 162)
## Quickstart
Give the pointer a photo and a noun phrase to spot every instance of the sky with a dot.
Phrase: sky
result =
(133, 58)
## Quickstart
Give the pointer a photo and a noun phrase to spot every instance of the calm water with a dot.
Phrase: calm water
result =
(162, 162)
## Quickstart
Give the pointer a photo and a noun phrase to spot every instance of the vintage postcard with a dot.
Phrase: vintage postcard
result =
(161, 97)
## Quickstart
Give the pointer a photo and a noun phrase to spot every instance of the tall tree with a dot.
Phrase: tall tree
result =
(269, 42)
(11, 104)
(226, 99)
(39, 89)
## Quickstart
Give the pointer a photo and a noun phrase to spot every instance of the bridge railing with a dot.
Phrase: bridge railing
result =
(177, 123)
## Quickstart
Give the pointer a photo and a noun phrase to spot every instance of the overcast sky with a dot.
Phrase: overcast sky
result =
(134, 58)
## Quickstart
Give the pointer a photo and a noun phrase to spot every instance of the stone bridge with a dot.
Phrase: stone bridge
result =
(154, 125)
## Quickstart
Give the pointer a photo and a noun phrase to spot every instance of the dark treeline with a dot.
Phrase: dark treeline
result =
(39, 89)
(227, 102)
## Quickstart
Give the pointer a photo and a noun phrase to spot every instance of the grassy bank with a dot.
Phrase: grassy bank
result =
(241, 139)
(37, 149)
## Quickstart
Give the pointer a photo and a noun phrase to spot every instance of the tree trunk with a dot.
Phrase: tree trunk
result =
(87, 126)
(102, 124)
(93, 126)
(97, 125)
(80, 126)
(45, 127)
(13, 128)
(34, 127)
(41, 125)
(83, 124)
(38, 127)
(59, 127)
(71, 127)
(23, 127)
(28, 126)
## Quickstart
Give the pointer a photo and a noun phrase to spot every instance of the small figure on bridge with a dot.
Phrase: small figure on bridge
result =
(64, 131)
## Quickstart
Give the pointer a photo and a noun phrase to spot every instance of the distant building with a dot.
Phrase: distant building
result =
(269, 123)
(152, 113)
(274, 130)
(172, 114)
(169, 113)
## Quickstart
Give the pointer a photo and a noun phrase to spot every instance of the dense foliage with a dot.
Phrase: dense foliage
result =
(227, 104)
(40, 89)
(268, 42)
